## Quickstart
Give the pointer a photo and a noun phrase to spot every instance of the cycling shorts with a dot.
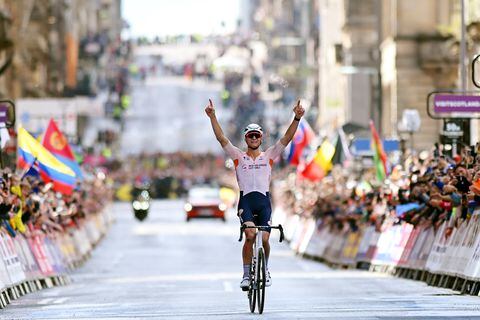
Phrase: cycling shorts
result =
(255, 207)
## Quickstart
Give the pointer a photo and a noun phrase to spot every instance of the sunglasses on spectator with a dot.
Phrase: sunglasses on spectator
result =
(254, 135)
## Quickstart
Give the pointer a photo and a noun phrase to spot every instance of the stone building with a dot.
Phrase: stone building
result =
(419, 54)
(290, 30)
(378, 58)
(46, 36)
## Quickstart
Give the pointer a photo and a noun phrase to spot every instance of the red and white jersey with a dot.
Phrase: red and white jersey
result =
(254, 174)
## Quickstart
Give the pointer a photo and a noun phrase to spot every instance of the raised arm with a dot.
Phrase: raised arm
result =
(210, 111)
(299, 112)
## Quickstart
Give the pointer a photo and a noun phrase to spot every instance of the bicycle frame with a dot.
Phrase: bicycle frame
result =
(256, 249)
(257, 269)
(258, 245)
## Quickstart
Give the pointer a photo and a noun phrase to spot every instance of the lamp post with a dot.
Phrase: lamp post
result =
(410, 124)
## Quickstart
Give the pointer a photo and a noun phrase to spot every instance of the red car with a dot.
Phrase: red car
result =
(205, 202)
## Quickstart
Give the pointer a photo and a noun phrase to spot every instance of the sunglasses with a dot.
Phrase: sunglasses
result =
(254, 135)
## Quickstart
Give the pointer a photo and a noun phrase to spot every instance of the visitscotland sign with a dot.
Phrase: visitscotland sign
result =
(445, 103)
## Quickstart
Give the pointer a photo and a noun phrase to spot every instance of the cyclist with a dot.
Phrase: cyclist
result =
(253, 169)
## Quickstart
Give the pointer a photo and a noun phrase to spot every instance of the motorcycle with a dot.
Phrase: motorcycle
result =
(141, 205)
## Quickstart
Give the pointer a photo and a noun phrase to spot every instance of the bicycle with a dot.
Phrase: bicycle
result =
(256, 290)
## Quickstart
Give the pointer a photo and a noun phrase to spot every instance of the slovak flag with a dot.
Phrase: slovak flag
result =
(302, 138)
(55, 142)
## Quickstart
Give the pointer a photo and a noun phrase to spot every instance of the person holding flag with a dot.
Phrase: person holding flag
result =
(253, 168)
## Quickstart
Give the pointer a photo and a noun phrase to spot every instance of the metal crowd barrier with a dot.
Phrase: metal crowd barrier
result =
(403, 250)
(43, 261)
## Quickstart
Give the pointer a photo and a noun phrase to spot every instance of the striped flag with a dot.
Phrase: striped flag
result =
(51, 169)
(379, 156)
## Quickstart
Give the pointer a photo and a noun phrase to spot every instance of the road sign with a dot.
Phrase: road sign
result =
(3, 113)
(447, 103)
(453, 104)
(452, 129)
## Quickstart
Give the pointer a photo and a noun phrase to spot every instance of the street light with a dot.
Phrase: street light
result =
(410, 123)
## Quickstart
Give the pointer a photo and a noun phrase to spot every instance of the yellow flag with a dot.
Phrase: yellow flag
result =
(324, 156)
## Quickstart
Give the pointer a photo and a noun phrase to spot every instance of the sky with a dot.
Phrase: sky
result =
(171, 17)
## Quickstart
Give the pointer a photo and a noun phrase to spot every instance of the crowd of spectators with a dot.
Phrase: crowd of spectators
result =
(170, 175)
(30, 206)
(425, 189)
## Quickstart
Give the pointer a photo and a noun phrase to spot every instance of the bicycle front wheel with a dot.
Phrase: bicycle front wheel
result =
(261, 278)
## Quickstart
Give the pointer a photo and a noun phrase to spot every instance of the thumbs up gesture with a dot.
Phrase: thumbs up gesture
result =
(210, 109)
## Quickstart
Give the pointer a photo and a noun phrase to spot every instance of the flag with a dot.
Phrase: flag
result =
(302, 138)
(55, 142)
(379, 156)
(51, 169)
(320, 164)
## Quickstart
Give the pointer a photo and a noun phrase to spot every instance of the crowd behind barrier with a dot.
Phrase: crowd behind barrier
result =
(44, 234)
(422, 223)
(171, 175)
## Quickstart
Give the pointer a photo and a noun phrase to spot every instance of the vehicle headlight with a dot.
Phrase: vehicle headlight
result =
(188, 207)
(136, 205)
(145, 205)
(222, 206)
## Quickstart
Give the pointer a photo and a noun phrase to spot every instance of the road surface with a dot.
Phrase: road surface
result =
(166, 268)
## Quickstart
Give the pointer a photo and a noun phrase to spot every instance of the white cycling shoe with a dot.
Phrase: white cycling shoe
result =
(268, 280)
(245, 284)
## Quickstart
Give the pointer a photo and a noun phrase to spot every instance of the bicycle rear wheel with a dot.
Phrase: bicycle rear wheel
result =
(252, 293)
(261, 278)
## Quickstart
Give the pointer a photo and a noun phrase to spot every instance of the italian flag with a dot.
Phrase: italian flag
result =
(379, 156)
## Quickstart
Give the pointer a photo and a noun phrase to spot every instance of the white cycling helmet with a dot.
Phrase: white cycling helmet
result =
(252, 127)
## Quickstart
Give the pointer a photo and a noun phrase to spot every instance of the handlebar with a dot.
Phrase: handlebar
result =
(263, 228)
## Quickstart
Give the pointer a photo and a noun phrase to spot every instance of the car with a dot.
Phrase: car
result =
(205, 202)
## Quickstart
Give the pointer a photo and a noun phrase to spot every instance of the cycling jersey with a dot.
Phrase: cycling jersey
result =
(254, 174)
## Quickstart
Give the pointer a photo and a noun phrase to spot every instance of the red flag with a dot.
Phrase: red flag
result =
(55, 142)
(302, 138)
(312, 172)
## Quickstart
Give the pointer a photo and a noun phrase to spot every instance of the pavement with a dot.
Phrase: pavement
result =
(166, 268)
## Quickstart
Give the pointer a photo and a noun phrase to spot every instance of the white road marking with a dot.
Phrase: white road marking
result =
(344, 274)
(61, 300)
(51, 301)
(46, 301)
